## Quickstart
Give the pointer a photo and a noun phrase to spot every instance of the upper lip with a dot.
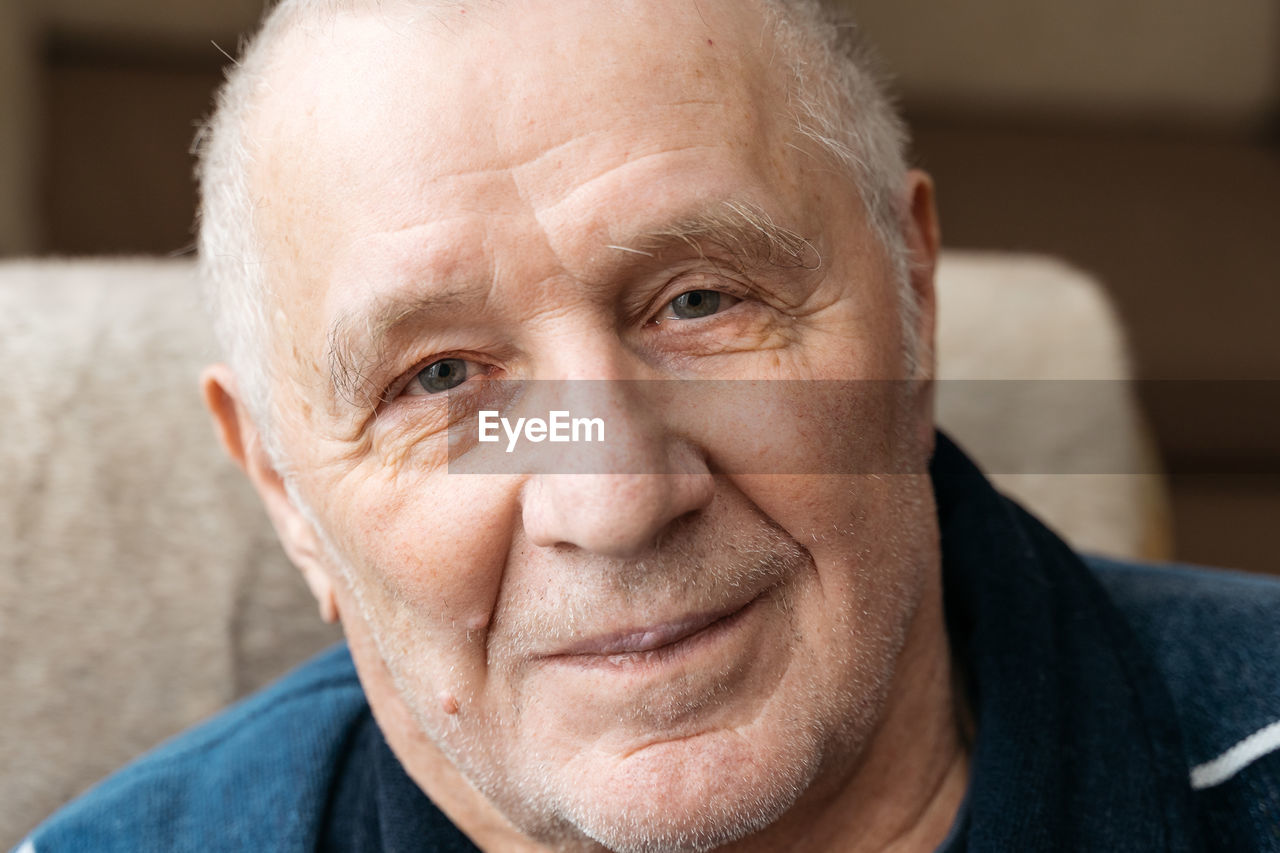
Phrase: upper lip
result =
(648, 637)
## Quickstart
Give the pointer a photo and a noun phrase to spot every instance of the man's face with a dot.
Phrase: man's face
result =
(678, 649)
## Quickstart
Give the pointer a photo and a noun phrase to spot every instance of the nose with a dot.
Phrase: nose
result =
(646, 480)
(615, 515)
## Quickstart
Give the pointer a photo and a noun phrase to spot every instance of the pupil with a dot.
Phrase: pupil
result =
(696, 303)
(443, 375)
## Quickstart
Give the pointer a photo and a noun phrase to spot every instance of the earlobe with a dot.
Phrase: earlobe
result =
(321, 586)
(243, 443)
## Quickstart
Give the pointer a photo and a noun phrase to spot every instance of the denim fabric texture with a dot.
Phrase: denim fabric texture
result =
(1118, 708)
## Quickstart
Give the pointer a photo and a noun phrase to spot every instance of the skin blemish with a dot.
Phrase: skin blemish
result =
(711, 43)
(448, 704)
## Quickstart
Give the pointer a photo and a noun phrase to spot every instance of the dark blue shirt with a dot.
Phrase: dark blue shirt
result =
(1118, 707)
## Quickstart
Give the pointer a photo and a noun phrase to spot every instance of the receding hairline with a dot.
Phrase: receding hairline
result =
(741, 229)
(292, 18)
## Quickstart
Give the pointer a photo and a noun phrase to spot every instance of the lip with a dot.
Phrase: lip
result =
(642, 643)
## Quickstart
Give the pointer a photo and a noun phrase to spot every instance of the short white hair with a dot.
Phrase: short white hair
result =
(836, 93)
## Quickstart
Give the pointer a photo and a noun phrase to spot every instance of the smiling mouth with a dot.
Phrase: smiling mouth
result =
(653, 643)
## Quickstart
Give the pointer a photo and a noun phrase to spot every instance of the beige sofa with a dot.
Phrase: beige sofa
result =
(141, 588)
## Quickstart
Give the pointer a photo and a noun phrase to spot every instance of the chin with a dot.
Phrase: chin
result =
(691, 794)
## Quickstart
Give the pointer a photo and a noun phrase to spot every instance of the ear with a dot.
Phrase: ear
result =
(243, 442)
(923, 239)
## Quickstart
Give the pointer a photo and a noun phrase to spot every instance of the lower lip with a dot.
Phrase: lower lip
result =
(681, 651)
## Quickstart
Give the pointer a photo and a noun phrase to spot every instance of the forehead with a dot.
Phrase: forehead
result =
(367, 112)
(508, 142)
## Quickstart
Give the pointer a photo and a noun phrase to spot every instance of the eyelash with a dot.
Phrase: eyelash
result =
(721, 285)
(398, 388)
(726, 287)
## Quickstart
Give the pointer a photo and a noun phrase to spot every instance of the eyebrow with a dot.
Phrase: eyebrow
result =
(353, 352)
(744, 233)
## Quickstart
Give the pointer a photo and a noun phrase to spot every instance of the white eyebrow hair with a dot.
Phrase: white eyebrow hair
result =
(746, 232)
(357, 343)
(628, 249)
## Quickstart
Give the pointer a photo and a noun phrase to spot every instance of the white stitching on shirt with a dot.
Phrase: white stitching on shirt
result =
(1238, 757)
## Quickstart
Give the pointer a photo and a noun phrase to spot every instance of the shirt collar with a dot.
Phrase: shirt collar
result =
(1077, 745)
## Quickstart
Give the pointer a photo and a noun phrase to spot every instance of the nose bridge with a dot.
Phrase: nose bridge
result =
(621, 492)
(590, 374)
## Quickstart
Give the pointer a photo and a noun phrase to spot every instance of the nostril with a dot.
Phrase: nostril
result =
(676, 528)
(611, 515)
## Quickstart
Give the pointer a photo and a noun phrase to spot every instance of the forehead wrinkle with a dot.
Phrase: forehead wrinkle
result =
(546, 205)
(351, 361)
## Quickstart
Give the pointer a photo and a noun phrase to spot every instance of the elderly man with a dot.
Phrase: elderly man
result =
(727, 628)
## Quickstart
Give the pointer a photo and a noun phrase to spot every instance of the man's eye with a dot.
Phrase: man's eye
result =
(697, 304)
(440, 376)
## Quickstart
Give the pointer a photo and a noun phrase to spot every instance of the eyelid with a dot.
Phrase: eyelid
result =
(396, 390)
(720, 284)
(722, 307)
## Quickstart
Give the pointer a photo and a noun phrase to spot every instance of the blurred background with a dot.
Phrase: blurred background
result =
(1138, 139)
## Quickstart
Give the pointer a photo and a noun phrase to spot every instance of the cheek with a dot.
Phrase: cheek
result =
(871, 546)
(424, 556)
(803, 427)
(868, 535)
